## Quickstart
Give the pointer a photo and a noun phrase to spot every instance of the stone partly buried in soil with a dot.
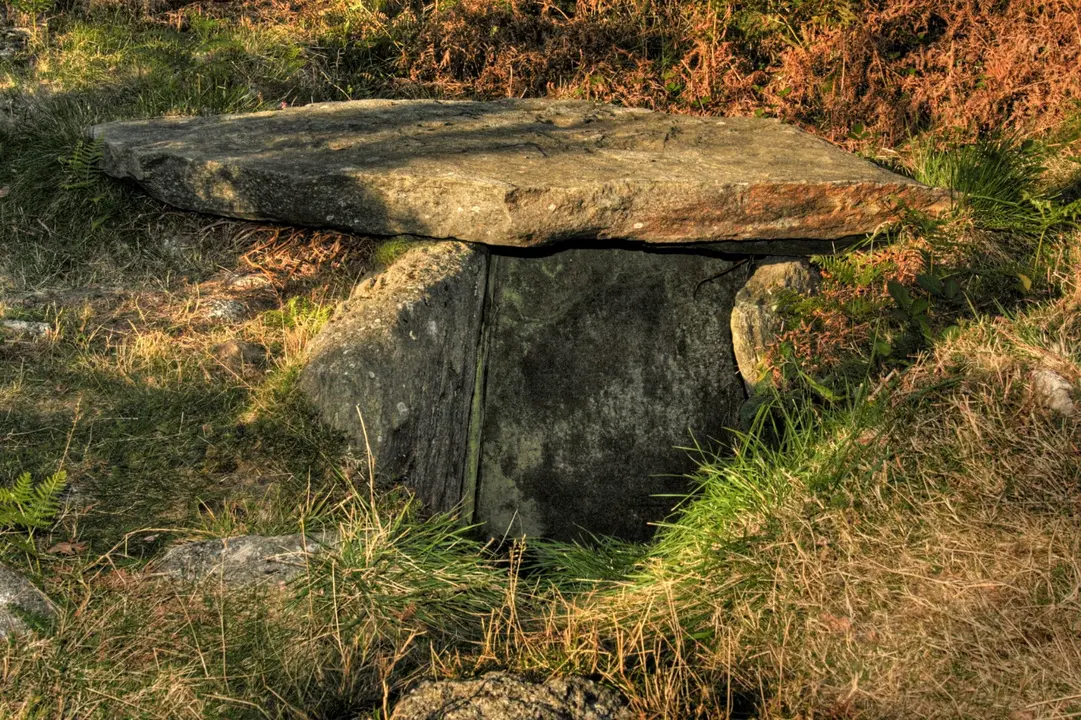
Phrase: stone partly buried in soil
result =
(22, 606)
(513, 172)
(501, 696)
(546, 393)
(245, 560)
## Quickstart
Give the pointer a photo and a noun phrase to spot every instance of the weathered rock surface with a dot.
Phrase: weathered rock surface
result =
(403, 352)
(755, 320)
(26, 327)
(513, 172)
(601, 363)
(1054, 392)
(500, 696)
(540, 393)
(243, 560)
(226, 309)
(21, 602)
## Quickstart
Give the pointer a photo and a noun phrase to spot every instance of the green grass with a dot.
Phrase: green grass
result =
(395, 595)
(154, 435)
(1001, 182)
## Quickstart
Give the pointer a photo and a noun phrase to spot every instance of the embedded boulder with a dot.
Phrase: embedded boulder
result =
(756, 322)
(22, 606)
(513, 172)
(244, 560)
(509, 697)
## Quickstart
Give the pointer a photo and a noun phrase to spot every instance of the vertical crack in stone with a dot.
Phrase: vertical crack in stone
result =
(470, 486)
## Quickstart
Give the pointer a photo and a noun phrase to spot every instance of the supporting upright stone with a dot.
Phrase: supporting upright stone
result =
(756, 321)
(402, 354)
(601, 363)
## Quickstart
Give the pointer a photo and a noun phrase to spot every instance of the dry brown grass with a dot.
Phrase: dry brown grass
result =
(958, 64)
(858, 72)
(938, 576)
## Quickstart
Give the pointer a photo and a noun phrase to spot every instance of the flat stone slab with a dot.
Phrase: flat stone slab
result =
(514, 172)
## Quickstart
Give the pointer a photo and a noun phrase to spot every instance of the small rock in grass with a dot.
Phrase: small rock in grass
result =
(235, 354)
(507, 697)
(756, 321)
(21, 604)
(27, 327)
(1054, 392)
(13, 41)
(229, 310)
(249, 281)
(244, 560)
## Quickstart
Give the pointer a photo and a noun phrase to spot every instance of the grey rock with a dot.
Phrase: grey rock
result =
(245, 560)
(13, 41)
(1054, 392)
(402, 354)
(27, 327)
(513, 172)
(250, 281)
(602, 365)
(543, 394)
(501, 696)
(225, 309)
(755, 319)
(21, 604)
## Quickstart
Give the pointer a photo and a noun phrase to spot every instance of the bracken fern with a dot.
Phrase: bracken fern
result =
(27, 505)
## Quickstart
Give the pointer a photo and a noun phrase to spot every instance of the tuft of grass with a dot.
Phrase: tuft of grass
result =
(1000, 181)
(389, 251)
(379, 607)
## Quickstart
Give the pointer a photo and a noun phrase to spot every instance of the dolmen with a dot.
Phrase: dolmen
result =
(560, 333)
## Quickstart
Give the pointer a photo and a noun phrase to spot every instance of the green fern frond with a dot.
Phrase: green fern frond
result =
(82, 167)
(27, 505)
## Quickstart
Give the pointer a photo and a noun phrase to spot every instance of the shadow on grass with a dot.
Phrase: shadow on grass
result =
(164, 448)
